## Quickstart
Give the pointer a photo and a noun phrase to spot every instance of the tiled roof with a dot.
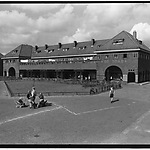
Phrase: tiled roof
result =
(81, 48)
(20, 51)
(1, 55)
(123, 40)
(25, 51)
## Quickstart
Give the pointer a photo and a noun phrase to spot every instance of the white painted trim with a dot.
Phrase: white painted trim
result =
(9, 57)
(116, 50)
(64, 56)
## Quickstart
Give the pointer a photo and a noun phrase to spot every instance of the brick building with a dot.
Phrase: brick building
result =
(121, 57)
(1, 65)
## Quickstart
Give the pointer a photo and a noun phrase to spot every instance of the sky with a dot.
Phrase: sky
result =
(53, 23)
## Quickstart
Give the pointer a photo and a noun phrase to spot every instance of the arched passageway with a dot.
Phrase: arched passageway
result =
(131, 77)
(12, 72)
(113, 73)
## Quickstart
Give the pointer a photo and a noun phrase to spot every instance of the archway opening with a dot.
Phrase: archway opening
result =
(131, 77)
(12, 72)
(113, 73)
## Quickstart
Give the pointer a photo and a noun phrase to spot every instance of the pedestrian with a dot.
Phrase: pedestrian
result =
(32, 98)
(111, 94)
(28, 94)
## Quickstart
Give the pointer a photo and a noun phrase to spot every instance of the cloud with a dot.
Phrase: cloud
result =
(58, 21)
(143, 31)
(14, 27)
(18, 28)
(102, 21)
(36, 8)
(98, 20)
(40, 24)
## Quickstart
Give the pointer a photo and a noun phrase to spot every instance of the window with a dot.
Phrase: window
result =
(118, 41)
(134, 55)
(98, 45)
(65, 49)
(49, 50)
(106, 56)
(82, 47)
(115, 56)
(15, 51)
(124, 55)
(38, 51)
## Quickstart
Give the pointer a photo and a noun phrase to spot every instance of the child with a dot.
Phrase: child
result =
(20, 103)
(42, 101)
(31, 96)
(111, 94)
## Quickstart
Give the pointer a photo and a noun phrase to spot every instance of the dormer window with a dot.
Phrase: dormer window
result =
(98, 46)
(38, 51)
(49, 50)
(65, 49)
(15, 51)
(82, 47)
(118, 41)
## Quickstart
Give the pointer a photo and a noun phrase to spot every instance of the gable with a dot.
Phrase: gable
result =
(122, 41)
(14, 53)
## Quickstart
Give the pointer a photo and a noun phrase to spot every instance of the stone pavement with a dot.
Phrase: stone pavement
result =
(3, 89)
(139, 131)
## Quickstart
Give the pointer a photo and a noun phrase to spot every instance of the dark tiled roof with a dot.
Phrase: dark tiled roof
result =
(20, 51)
(129, 42)
(82, 48)
(77, 48)
(14, 53)
(25, 51)
(1, 55)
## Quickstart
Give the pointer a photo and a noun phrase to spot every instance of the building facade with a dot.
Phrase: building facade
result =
(121, 57)
(1, 65)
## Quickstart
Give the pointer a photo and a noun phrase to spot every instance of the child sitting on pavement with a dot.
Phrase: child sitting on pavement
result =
(20, 103)
(42, 101)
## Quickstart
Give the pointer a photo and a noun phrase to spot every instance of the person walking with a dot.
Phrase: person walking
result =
(32, 97)
(111, 94)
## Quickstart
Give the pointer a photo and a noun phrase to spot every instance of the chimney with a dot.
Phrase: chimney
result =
(46, 46)
(36, 47)
(93, 41)
(135, 34)
(75, 43)
(59, 45)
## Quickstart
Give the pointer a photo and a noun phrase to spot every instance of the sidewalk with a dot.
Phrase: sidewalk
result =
(139, 131)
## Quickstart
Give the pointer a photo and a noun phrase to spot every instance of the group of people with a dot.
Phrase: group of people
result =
(31, 96)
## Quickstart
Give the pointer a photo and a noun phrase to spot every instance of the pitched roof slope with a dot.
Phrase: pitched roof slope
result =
(20, 51)
(81, 48)
(123, 40)
(25, 51)
(1, 55)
